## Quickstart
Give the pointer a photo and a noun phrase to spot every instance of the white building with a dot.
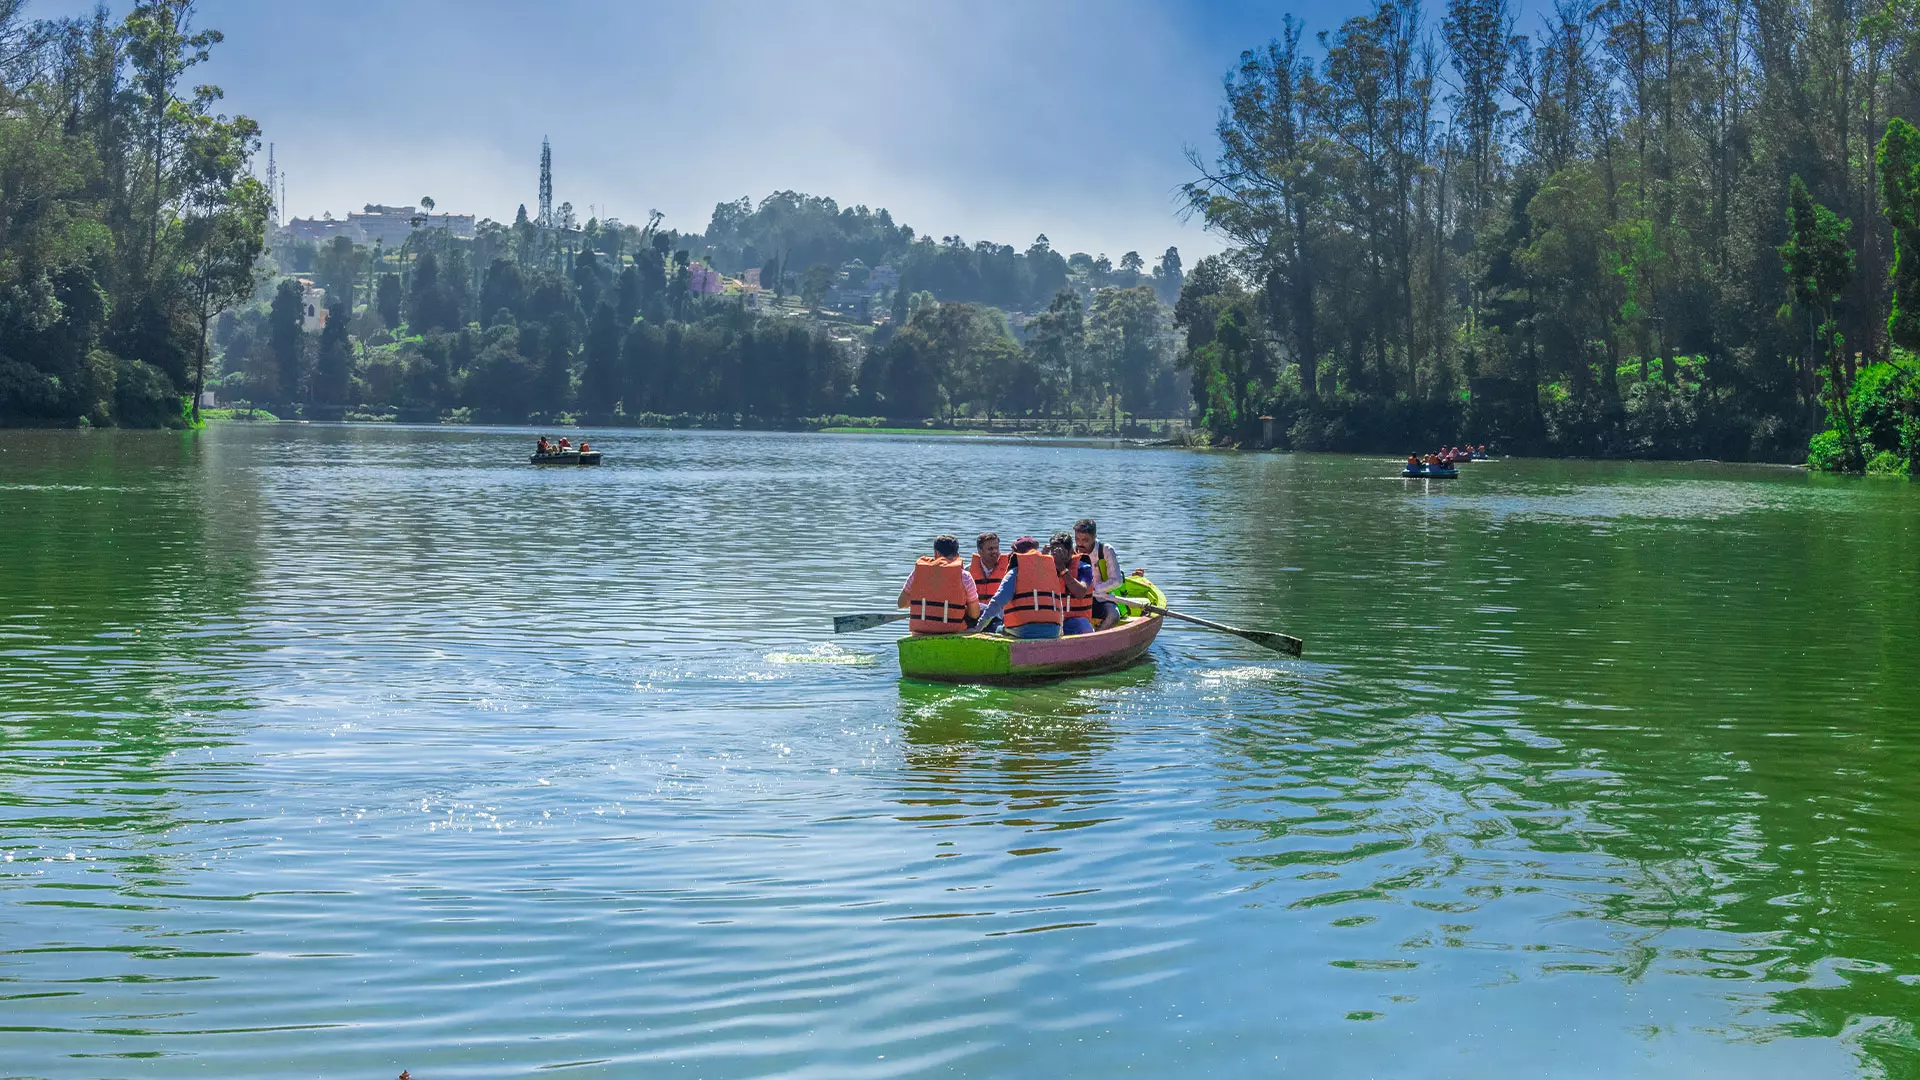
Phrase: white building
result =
(313, 309)
(390, 225)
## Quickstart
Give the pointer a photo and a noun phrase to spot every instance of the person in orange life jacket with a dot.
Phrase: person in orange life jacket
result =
(1030, 599)
(1106, 571)
(1076, 585)
(988, 569)
(939, 595)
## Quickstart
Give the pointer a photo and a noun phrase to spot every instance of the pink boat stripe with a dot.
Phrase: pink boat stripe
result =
(1086, 647)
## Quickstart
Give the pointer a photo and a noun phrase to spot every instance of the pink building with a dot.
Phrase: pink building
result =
(704, 280)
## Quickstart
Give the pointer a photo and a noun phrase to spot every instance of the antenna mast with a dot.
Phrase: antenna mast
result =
(273, 190)
(546, 184)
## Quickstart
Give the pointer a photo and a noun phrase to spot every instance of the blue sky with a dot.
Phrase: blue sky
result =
(993, 119)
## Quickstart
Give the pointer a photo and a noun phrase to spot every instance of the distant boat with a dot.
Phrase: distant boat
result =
(566, 457)
(1430, 472)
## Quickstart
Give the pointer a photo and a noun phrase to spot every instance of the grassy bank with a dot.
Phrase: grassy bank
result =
(243, 415)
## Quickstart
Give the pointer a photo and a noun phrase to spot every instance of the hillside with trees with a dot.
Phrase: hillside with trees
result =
(602, 324)
(1668, 228)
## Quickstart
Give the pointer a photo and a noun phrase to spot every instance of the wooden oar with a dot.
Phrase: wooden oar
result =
(847, 624)
(1266, 638)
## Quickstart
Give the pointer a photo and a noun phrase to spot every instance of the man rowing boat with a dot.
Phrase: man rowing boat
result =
(939, 595)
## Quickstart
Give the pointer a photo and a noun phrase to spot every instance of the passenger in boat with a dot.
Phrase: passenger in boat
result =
(988, 569)
(584, 447)
(1413, 462)
(939, 595)
(563, 444)
(542, 447)
(1106, 571)
(1029, 599)
(1076, 584)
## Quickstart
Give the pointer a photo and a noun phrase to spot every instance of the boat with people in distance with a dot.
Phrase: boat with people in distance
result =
(566, 457)
(996, 659)
(1430, 472)
(548, 452)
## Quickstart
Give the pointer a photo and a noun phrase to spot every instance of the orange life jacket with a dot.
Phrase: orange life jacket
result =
(1039, 599)
(937, 596)
(988, 581)
(1078, 607)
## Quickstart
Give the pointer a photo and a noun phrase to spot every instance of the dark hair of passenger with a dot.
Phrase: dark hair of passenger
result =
(983, 538)
(1061, 540)
(947, 546)
(1025, 543)
(1087, 526)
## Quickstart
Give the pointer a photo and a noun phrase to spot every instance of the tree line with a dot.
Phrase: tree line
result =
(128, 220)
(599, 323)
(1639, 227)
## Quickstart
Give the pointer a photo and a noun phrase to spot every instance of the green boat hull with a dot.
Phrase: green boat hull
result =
(995, 659)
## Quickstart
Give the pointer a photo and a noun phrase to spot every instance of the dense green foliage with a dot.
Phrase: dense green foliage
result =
(127, 218)
(1653, 227)
(600, 324)
(789, 233)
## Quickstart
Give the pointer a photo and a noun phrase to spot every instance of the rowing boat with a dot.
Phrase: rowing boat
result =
(1001, 660)
(570, 457)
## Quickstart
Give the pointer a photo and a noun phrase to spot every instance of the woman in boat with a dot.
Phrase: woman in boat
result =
(1076, 582)
(939, 595)
(1029, 599)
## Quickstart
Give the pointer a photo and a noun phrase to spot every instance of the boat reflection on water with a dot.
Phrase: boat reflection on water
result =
(1035, 760)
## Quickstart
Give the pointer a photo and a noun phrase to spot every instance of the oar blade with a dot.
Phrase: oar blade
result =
(847, 624)
(1279, 643)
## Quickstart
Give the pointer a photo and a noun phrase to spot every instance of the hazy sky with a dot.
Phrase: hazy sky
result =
(990, 119)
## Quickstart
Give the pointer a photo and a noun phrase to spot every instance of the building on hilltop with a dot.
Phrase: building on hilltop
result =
(390, 225)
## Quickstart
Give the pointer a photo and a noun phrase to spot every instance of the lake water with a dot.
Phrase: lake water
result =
(331, 751)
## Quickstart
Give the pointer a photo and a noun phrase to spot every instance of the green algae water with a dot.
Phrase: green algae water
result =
(336, 751)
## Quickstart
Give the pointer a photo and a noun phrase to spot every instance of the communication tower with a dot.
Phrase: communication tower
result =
(546, 184)
(273, 190)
